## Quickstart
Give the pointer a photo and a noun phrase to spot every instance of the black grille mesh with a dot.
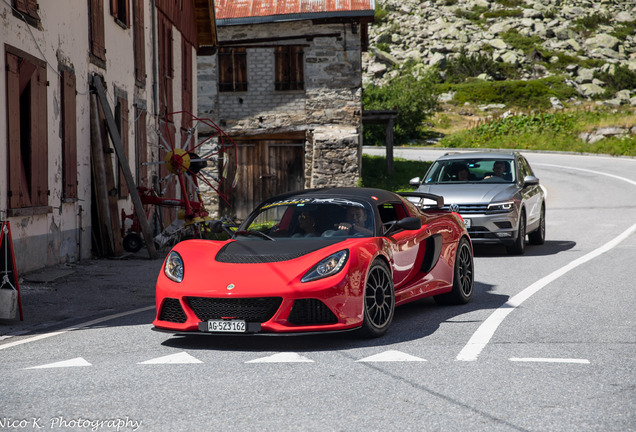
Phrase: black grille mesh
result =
(172, 311)
(311, 312)
(248, 309)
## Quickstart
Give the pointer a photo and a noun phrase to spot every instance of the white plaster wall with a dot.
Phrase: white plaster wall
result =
(64, 235)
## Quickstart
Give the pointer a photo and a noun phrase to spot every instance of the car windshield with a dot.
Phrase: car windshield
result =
(306, 218)
(471, 171)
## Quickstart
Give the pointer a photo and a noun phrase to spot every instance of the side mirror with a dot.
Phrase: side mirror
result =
(530, 181)
(409, 223)
(415, 181)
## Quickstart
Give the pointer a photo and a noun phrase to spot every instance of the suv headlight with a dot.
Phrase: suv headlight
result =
(327, 267)
(501, 207)
(174, 267)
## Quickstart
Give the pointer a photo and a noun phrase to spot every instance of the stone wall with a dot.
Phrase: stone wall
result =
(328, 109)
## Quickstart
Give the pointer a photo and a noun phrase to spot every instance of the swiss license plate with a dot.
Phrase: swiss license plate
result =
(228, 326)
(467, 222)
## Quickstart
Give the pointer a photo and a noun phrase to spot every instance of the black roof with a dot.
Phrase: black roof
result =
(370, 195)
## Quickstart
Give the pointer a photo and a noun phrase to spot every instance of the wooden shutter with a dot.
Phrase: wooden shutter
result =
(289, 70)
(165, 65)
(240, 69)
(28, 7)
(186, 90)
(69, 135)
(122, 117)
(17, 188)
(139, 35)
(98, 44)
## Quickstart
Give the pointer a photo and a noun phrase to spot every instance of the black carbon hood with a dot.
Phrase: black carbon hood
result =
(263, 251)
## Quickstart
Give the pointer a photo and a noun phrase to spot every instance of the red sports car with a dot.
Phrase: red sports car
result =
(317, 260)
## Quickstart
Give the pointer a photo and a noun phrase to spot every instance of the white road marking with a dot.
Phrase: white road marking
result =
(282, 358)
(76, 362)
(549, 360)
(487, 329)
(178, 358)
(77, 327)
(391, 356)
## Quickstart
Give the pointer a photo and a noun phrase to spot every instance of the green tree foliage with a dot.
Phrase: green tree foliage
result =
(413, 97)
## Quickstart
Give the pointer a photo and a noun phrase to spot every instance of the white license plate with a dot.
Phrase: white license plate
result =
(229, 326)
(467, 222)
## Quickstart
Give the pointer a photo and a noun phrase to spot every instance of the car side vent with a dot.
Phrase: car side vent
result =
(433, 250)
(311, 312)
(172, 311)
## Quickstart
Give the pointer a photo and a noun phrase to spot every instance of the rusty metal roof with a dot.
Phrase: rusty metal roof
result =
(233, 12)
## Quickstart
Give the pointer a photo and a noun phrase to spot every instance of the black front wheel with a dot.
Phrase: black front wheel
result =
(463, 277)
(379, 301)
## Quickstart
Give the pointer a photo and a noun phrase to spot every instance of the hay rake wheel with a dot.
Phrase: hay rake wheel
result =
(202, 160)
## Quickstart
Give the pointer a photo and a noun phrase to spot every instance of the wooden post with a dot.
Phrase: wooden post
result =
(100, 185)
(123, 161)
(389, 146)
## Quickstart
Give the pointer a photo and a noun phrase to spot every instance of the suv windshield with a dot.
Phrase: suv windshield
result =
(296, 218)
(471, 171)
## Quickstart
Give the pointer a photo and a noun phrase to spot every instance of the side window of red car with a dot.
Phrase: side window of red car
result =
(390, 212)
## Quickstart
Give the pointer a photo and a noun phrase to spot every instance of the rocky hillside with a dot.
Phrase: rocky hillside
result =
(580, 40)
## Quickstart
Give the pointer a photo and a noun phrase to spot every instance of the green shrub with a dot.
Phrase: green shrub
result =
(622, 79)
(589, 23)
(527, 44)
(521, 94)
(380, 14)
(623, 30)
(415, 100)
(504, 13)
(375, 173)
(471, 65)
(511, 3)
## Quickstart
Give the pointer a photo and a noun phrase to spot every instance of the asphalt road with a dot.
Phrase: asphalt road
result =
(548, 344)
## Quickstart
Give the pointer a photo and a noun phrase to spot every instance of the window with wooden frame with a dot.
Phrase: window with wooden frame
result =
(27, 133)
(121, 120)
(120, 10)
(289, 73)
(96, 30)
(139, 43)
(232, 69)
(27, 10)
(69, 135)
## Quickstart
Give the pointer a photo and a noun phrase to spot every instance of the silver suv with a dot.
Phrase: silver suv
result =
(497, 195)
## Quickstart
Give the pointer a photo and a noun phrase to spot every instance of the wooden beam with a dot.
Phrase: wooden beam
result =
(123, 161)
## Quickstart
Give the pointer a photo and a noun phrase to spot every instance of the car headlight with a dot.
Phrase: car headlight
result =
(501, 207)
(327, 267)
(174, 267)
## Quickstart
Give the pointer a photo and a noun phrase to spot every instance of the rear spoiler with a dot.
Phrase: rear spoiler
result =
(439, 200)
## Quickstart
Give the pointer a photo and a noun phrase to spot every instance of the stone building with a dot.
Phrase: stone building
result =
(285, 83)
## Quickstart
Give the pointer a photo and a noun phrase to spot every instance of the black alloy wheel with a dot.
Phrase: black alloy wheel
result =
(464, 277)
(379, 300)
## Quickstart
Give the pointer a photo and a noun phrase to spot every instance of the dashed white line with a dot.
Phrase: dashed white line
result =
(549, 360)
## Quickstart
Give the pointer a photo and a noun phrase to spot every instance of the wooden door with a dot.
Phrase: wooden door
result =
(265, 168)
